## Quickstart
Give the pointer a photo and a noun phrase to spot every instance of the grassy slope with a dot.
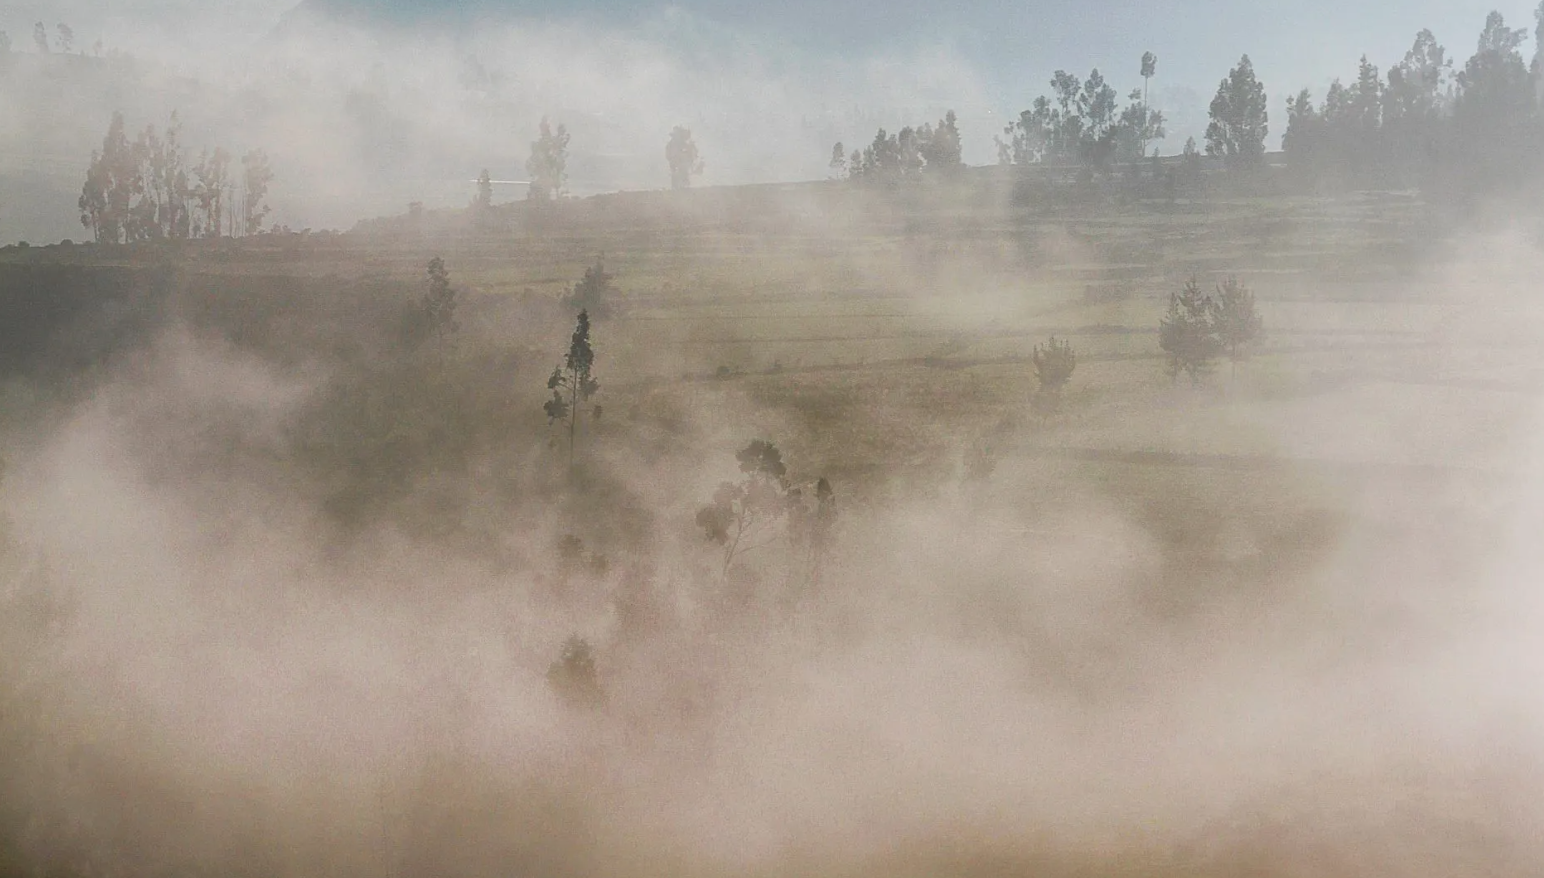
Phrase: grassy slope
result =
(876, 337)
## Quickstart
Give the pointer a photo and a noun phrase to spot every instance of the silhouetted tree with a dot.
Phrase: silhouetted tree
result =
(1415, 107)
(1032, 136)
(1494, 81)
(1149, 70)
(574, 676)
(681, 154)
(1538, 49)
(743, 513)
(1192, 161)
(211, 192)
(40, 37)
(548, 164)
(1082, 121)
(167, 177)
(1139, 125)
(437, 311)
(1304, 137)
(257, 176)
(1065, 124)
(1235, 321)
(1420, 85)
(483, 201)
(143, 221)
(574, 378)
(1239, 118)
(1495, 109)
(142, 190)
(810, 531)
(1366, 152)
(838, 164)
(890, 158)
(1054, 362)
(940, 147)
(822, 528)
(907, 153)
(113, 182)
(1097, 108)
(593, 293)
(5, 43)
(66, 38)
(1186, 334)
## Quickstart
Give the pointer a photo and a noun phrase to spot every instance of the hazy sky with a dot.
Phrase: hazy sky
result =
(1015, 44)
(363, 120)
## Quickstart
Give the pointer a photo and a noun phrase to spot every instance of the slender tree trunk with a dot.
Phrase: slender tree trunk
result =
(573, 420)
(739, 532)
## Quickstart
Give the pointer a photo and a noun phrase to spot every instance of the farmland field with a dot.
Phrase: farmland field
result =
(1198, 616)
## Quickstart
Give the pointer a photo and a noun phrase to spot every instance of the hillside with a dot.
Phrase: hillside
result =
(318, 569)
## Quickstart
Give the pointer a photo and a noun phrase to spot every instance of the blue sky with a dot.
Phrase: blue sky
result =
(1017, 44)
(1293, 44)
(1014, 47)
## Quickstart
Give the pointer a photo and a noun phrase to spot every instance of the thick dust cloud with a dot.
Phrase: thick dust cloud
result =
(289, 585)
(1022, 674)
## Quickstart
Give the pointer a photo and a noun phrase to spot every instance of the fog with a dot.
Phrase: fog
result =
(288, 589)
(204, 674)
(365, 107)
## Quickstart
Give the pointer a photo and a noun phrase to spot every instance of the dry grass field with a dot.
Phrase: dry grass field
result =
(1163, 629)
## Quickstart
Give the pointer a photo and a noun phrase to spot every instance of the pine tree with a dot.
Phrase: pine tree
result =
(438, 308)
(1054, 363)
(838, 163)
(1235, 321)
(1186, 334)
(575, 379)
(1239, 118)
(593, 293)
(1304, 134)
(940, 146)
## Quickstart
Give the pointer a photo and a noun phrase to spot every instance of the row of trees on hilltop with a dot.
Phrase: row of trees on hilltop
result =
(1482, 121)
(1081, 121)
(908, 153)
(1427, 119)
(548, 165)
(147, 189)
(63, 41)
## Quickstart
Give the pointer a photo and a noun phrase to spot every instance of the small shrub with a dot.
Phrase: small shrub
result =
(1054, 363)
(1234, 319)
(573, 675)
(1187, 335)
